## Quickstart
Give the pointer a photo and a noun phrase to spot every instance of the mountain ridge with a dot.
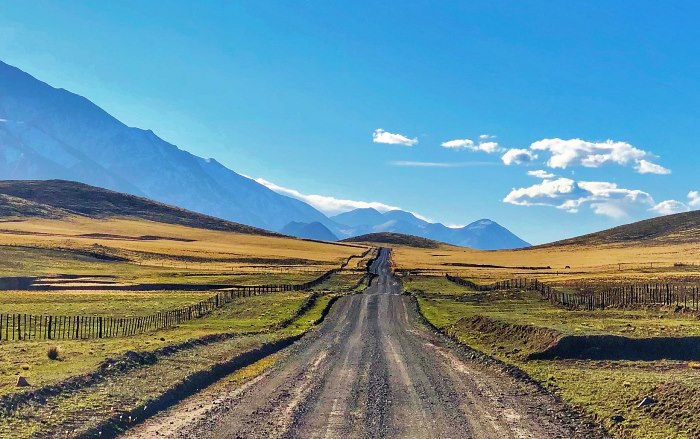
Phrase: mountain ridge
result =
(483, 234)
(51, 133)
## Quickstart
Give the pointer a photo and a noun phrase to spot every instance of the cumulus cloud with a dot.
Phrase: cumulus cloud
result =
(381, 136)
(458, 144)
(646, 167)
(326, 204)
(578, 152)
(604, 198)
(486, 136)
(694, 199)
(565, 153)
(489, 147)
(540, 174)
(469, 145)
(669, 207)
(549, 192)
(517, 156)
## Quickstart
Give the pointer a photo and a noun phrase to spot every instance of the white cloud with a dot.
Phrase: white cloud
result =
(455, 226)
(694, 199)
(458, 144)
(486, 136)
(669, 207)
(541, 194)
(489, 147)
(468, 144)
(646, 167)
(517, 156)
(603, 198)
(381, 136)
(540, 174)
(326, 204)
(440, 164)
(573, 152)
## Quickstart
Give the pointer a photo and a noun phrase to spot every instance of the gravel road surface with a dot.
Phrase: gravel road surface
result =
(373, 370)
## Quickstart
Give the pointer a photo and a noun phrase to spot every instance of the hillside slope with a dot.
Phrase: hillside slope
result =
(50, 133)
(58, 198)
(678, 228)
(395, 238)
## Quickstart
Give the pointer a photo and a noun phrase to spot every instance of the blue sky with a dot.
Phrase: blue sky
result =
(601, 97)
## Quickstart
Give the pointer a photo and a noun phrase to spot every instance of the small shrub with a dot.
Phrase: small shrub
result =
(694, 365)
(53, 352)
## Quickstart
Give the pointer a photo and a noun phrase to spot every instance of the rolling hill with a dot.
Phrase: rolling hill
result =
(678, 228)
(395, 238)
(58, 198)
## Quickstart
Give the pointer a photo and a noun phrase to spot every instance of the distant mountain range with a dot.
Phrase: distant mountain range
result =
(49, 133)
(483, 234)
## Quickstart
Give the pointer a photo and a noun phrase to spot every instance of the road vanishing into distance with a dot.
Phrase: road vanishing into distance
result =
(374, 370)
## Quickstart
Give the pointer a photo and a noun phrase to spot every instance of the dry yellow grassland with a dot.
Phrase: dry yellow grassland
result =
(602, 262)
(147, 243)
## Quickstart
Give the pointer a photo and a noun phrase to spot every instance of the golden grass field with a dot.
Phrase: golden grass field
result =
(607, 262)
(79, 254)
(44, 246)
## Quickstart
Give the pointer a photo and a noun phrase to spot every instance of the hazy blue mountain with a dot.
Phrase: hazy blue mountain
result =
(314, 230)
(49, 133)
(483, 234)
(359, 217)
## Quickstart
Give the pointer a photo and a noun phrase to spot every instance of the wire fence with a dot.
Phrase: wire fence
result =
(591, 296)
(51, 327)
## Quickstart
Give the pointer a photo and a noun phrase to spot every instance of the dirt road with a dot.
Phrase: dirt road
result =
(373, 371)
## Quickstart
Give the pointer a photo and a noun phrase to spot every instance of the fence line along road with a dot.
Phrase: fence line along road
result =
(43, 327)
(586, 296)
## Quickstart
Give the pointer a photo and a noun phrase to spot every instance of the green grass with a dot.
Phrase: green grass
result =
(447, 305)
(433, 285)
(246, 315)
(96, 303)
(340, 281)
(601, 388)
(83, 408)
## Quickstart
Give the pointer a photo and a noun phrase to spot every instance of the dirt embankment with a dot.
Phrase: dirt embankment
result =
(538, 343)
(615, 347)
(525, 338)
